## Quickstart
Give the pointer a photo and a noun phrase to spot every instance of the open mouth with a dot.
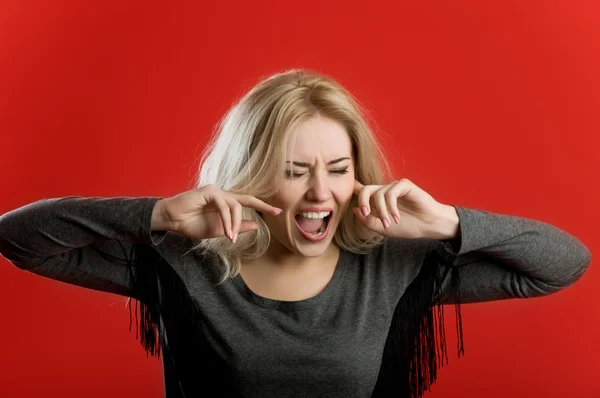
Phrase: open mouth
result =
(313, 227)
(323, 227)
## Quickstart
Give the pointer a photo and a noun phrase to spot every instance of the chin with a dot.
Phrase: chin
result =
(311, 249)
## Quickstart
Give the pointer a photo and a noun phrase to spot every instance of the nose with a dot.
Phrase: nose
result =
(318, 190)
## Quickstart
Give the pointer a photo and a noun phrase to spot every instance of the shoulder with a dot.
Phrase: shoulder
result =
(399, 258)
(394, 250)
(177, 250)
(179, 255)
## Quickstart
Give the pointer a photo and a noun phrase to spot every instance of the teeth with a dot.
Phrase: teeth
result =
(321, 214)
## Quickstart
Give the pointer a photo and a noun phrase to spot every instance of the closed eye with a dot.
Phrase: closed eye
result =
(289, 174)
(340, 171)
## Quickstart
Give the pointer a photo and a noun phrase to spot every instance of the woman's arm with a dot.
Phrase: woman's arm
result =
(83, 241)
(501, 256)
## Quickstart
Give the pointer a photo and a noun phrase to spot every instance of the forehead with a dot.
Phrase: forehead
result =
(319, 137)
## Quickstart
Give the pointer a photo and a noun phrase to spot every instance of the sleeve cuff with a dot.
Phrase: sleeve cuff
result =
(452, 246)
(152, 237)
(156, 237)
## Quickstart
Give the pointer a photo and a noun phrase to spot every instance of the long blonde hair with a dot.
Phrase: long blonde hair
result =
(245, 155)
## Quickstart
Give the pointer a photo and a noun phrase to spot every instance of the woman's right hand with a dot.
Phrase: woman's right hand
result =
(207, 212)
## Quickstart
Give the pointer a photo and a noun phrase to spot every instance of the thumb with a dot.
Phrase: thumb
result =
(248, 226)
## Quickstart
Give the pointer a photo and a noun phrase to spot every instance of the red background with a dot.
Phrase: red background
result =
(490, 105)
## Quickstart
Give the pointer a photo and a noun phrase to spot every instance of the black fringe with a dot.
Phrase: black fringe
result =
(147, 315)
(165, 304)
(414, 349)
(142, 264)
(416, 343)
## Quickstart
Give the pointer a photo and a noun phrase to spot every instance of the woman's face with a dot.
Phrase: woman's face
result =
(322, 184)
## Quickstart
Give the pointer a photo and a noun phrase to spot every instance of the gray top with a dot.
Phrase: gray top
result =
(329, 345)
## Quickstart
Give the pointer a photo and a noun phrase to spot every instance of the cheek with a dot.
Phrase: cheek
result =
(347, 189)
(288, 196)
(346, 194)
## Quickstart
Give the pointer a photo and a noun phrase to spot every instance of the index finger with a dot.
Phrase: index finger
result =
(257, 204)
(357, 187)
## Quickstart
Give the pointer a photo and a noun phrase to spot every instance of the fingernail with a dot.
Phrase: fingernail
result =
(235, 237)
(365, 211)
(396, 219)
(386, 223)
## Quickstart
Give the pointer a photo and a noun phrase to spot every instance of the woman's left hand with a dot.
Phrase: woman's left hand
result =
(403, 210)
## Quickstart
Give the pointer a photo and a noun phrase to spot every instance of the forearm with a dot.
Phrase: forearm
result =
(501, 256)
(52, 226)
(533, 250)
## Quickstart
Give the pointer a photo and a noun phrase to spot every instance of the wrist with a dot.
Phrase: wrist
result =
(447, 224)
(160, 221)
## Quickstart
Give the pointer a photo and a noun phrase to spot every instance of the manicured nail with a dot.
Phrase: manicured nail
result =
(235, 237)
(365, 211)
(386, 223)
(396, 219)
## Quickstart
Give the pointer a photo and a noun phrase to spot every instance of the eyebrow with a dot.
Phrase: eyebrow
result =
(303, 164)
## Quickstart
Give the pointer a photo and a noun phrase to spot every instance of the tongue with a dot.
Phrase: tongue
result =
(310, 225)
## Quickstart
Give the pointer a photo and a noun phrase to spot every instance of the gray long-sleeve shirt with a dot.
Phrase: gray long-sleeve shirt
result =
(330, 345)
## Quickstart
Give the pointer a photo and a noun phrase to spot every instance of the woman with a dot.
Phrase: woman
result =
(296, 268)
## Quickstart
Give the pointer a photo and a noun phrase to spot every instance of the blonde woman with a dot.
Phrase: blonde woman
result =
(298, 267)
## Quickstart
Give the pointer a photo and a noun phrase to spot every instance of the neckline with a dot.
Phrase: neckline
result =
(262, 301)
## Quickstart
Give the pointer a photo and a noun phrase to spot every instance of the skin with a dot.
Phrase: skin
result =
(319, 140)
(294, 268)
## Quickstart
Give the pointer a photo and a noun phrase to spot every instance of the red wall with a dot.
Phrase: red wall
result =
(491, 106)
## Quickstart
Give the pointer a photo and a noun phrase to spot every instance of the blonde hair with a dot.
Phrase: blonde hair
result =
(245, 155)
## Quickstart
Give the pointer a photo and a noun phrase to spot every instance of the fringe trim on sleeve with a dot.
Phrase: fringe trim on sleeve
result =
(416, 344)
(414, 349)
(164, 304)
(148, 328)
